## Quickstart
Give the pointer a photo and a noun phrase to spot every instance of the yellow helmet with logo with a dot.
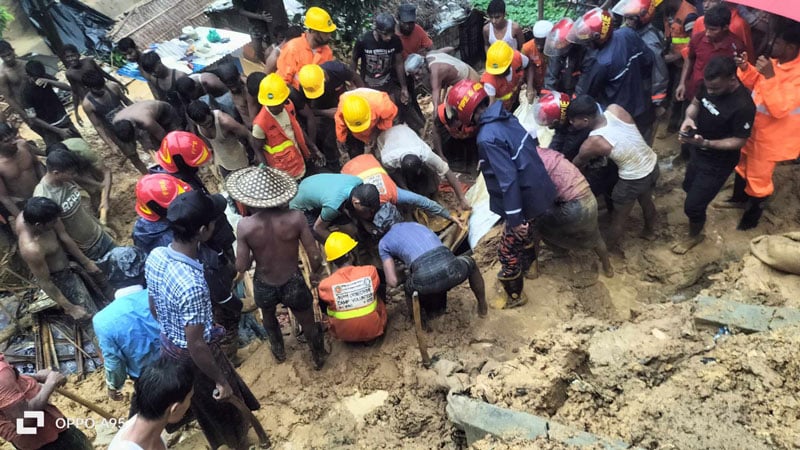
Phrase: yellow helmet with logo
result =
(356, 112)
(318, 19)
(272, 91)
(312, 79)
(499, 57)
(338, 244)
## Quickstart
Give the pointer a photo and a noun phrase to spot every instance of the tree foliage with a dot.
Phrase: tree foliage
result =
(351, 16)
(5, 18)
(526, 13)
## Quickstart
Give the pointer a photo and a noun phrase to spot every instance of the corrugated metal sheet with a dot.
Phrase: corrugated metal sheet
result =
(158, 20)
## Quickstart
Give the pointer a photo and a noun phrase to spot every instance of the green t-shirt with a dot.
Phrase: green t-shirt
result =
(326, 192)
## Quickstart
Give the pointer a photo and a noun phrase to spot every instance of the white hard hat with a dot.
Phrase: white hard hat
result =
(541, 28)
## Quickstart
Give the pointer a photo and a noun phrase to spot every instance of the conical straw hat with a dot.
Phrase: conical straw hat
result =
(261, 187)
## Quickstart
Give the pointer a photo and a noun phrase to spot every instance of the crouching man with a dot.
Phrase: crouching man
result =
(352, 294)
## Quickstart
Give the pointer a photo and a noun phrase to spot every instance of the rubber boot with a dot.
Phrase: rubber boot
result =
(739, 183)
(751, 216)
(276, 345)
(318, 353)
(530, 265)
(513, 287)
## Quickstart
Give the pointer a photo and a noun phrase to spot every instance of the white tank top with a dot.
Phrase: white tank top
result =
(509, 38)
(228, 151)
(465, 72)
(630, 152)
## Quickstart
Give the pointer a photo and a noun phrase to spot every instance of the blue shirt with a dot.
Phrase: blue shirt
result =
(405, 197)
(407, 241)
(179, 292)
(148, 235)
(326, 192)
(128, 337)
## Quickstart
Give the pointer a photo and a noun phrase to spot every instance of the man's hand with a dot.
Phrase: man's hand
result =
(764, 66)
(458, 221)
(404, 95)
(741, 60)
(222, 392)
(115, 395)
(77, 312)
(521, 230)
(56, 379)
(680, 92)
(688, 124)
(266, 17)
(463, 205)
(42, 82)
(696, 140)
(63, 133)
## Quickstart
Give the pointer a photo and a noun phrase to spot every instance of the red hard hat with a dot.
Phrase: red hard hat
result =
(160, 188)
(184, 144)
(643, 9)
(556, 43)
(464, 97)
(551, 109)
(594, 26)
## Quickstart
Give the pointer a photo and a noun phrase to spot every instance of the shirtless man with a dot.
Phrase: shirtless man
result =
(20, 171)
(229, 140)
(76, 68)
(163, 77)
(101, 104)
(438, 71)
(152, 118)
(234, 81)
(12, 79)
(207, 88)
(128, 47)
(43, 244)
(271, 236)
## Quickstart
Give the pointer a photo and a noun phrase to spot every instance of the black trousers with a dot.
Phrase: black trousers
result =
(705, 175)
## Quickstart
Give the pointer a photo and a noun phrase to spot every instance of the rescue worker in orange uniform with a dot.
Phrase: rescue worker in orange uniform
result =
(310, 48)
(181, 154)
(352, 295)
(775, 83)
(365, 113)
(505, 69)
(276, 130)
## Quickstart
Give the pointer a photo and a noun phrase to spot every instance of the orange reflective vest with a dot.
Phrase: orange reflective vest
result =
(774, 136)
(356, 313)
(282, 152)
(369, 169)
(458, 131)
(383, 111)
(677, 29)
(530, 50)
(504, 88)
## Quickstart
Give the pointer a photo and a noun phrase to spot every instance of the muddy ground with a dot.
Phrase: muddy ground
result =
(620, 357)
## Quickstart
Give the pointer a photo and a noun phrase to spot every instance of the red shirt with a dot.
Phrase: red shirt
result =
(738, 26)
(14, 389)
(416, 41)
(702, 50)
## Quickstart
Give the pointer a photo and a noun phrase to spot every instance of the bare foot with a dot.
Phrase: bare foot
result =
(483, 308)
(687, 244)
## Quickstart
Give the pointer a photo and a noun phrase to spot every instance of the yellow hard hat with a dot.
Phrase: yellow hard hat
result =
(272, 91)
(356, 112)
(318, 19)
(338, 244)
(499, 57)
(312, 79)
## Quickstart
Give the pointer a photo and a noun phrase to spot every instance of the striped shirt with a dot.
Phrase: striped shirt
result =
(179, 292)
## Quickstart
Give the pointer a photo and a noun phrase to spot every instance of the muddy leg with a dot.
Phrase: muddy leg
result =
(649, 213)
(315, 337)
(274, 333)
(602, 253)
(618, 219)
(479, 289)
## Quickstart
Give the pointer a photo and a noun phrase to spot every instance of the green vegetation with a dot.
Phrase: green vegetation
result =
(525, 12)
(5, 18)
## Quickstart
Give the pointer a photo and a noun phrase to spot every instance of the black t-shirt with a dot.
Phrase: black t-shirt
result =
(725, 116)
(337, 74)
(44, 102)
(377, 59)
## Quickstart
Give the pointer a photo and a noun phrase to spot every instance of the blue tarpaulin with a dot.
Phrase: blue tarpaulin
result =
(75, 23)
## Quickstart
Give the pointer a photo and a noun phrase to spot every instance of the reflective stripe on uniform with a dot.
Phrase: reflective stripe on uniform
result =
(353, 313)
(680, 40)
(507, 96)
(278, 148)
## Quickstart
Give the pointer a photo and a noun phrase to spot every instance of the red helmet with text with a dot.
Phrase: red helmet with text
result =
(594, 26)
(643, 9)
(556, 43)
(464, 97)
(155, 192)
(551, 109)
(189, 147)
